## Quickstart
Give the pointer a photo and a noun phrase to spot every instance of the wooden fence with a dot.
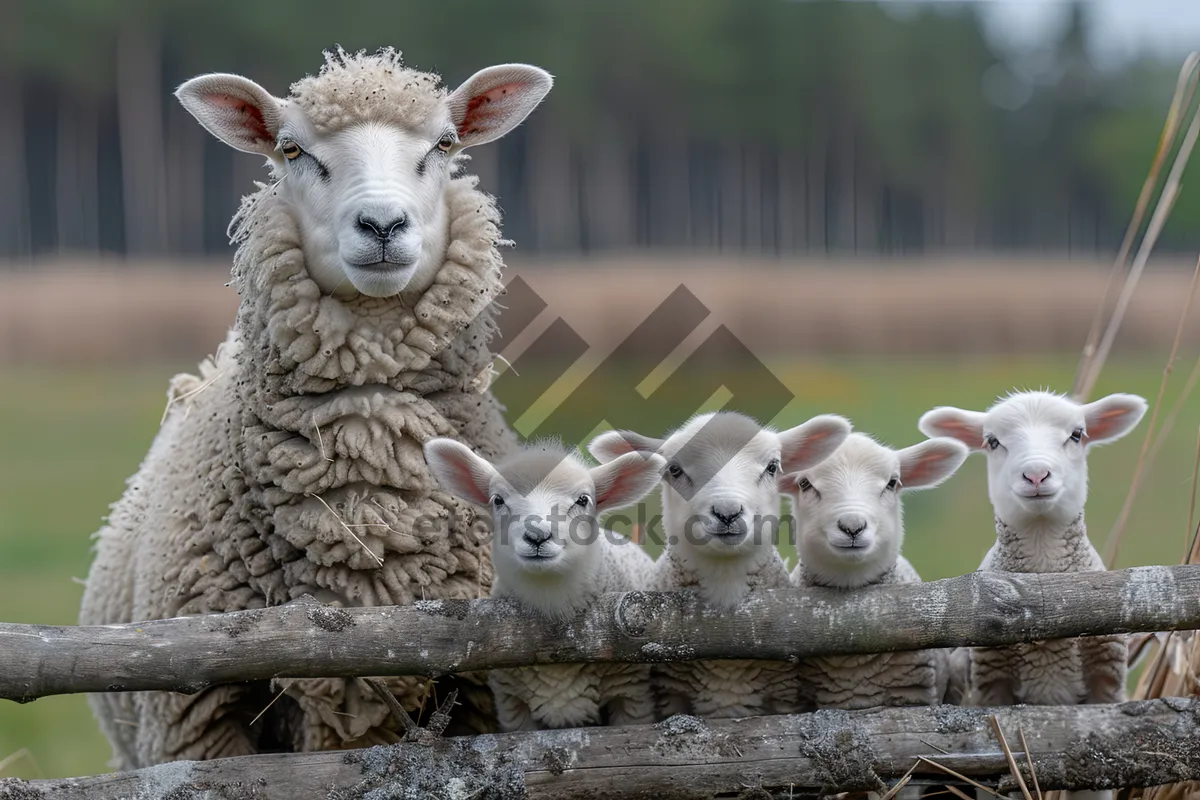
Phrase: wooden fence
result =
(1077, 747)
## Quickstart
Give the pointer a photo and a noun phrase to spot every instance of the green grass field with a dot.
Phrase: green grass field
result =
(69, 439)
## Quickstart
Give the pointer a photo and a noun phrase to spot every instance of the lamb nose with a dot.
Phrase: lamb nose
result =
(536, 537)
(852, 526)
(1036, 476)
(728, 517)
(380, 229)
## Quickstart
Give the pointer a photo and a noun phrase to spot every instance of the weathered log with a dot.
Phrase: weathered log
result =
(1072, 747)
(303, 640)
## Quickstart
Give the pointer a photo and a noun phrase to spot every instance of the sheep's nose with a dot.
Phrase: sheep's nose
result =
(1036, 476)
(382, 227)
(852, 524)
(536, 537)
(727, 513)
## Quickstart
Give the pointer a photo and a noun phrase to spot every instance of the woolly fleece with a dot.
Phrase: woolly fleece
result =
(578, 695)
(292, 465)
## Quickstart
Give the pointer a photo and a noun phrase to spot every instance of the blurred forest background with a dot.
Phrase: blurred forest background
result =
(887, 202)
(755, 125)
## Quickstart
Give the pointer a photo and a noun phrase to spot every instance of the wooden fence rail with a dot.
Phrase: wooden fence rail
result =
(1076, 747)
(302, 640)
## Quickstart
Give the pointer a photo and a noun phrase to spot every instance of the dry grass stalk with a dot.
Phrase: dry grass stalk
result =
(961, 777)
(1008, 755)
(1096, 348)
(353, 535)
(1114, 538)
(13, 758)
(1188, 76)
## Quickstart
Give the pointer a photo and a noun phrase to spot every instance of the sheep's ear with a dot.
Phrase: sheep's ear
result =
(626, 479)
(236, 110)
(1110, 418)
(460, 471)
(495, 100)
(930, 462)
(956, 423)
(609, 445)
(809, 444)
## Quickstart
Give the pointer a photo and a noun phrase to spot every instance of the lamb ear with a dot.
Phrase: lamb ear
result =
(956, 423)
(609, 445)
(809, 444)
(236, 110)
(1110, 418)
(930, 462)
(626, 479)
(459, 470)
(495, 100)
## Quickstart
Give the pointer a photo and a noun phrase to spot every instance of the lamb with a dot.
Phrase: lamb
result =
(291, 465)
(850, 529)
(719, 497)
(551, 555)
(1036, 444)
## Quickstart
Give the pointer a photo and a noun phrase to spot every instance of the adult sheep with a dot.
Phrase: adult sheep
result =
(292, 464)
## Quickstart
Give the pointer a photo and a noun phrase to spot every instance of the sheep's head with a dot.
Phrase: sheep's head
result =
(848, 513)
(363, 154)
(545, 503)
(1036, 445)
(719, 487)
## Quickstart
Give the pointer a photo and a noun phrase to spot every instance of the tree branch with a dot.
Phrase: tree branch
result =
(305, 640)
(1073, 747)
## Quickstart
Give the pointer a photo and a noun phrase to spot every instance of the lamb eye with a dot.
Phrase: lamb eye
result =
(497, 501)
(291, 151)
(583, 501)
(674, 470)
(805, 485)
(893, 484)
(773, 467)
(445, 143)
(1077, 435)
(992, 442)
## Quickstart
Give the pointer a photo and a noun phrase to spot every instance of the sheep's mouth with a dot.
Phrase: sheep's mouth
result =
(1039, 496)
(384, 266)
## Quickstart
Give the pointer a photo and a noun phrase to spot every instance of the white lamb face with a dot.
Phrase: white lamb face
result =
(368, 195)
(719, 488)
(848, 512)
(1036, 444)
(544, 502)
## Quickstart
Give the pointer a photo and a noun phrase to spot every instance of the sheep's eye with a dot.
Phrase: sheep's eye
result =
(674, 470)
(992, 442)
(1077, 435)
(497, 501)
(291, 151)
(773, 467)
(893, 484)
(583, 501)
(805, 485)
(445, 143)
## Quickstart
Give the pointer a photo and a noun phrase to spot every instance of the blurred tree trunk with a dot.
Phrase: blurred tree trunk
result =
(77, 188)
(139, 109)
(14, 188)
(552, 212)
(185, 182)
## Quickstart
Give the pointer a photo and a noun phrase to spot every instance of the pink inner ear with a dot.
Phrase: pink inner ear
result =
(252, 117)
(483, 108)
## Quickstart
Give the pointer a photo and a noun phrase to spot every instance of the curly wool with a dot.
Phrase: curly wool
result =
(1088, 669)
(356, 87)
(913, 678)
(579, 695)
(727, 687)
(292, 465)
